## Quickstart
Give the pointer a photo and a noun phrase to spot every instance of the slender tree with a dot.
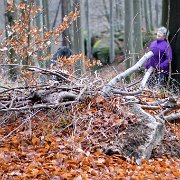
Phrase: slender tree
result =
(9, 22)
(120, 14)
(64, 12)
(89, 33)
(147, 16)
(111, 19)
(117, 15)
(174, 37)
(137, 29)
(78, 42)
(143, 15)
(165, 13)
(128, 41)
(157, 13)
(40, 25)
(56, 14)
(106, 9)
(150, 14)
(46, 20)
(71, 28)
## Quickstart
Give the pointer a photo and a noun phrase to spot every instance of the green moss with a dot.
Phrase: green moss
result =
(119, 36)
(101, 50)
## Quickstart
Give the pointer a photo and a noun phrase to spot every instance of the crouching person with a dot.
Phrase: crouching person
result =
(60, 54)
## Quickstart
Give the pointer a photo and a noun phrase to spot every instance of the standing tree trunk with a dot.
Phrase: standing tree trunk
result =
(65, 34)
(78, 42)
(17, 13)
(111, 19)
(46, 21)
(128, 42)
(174, 37)
(119, 18)
(165, 13)
(150, 14)
(56, 15)
(138, 45)
(157, 13)
(147, 16)
(40, 25)
(9, 21)
(71, 28)
(88, 29)
(143, 16)
(106, 10)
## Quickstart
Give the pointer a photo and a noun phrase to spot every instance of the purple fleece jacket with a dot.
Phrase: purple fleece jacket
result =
(162, 52)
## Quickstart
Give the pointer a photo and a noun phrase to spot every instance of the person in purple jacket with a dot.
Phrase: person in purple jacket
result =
(162, 56)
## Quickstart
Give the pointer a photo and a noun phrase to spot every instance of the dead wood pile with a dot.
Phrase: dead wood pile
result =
(69, 90)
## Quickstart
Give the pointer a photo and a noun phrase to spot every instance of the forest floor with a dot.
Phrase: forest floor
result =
(67, 143)
(107, 72)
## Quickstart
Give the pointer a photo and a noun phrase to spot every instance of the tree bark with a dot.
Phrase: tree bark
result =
(111, 22)
(150, 14)
(79, 40)
(46, 22)
(128, 41)
(147, 16)
(88, 30)
(164, 13)
(9, 21)
(65, 34)
(56, 15)
(138, 45)
(174, 38)
(40, 25)
(157, 13)
(106, 10)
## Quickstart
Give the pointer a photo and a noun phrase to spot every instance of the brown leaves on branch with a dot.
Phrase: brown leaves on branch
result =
(26, 39)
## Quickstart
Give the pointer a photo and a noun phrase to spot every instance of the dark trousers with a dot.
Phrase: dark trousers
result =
(158, 78)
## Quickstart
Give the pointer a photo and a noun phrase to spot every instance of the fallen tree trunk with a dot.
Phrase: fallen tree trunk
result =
(139, 139)
(108, 87)
(53, 97)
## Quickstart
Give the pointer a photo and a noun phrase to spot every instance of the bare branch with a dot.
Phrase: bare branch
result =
(146, 77)
(172, 117)
(39, 106)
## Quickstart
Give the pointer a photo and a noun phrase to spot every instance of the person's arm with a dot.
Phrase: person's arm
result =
(71, 52)
(168, 59)
(148, 62)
